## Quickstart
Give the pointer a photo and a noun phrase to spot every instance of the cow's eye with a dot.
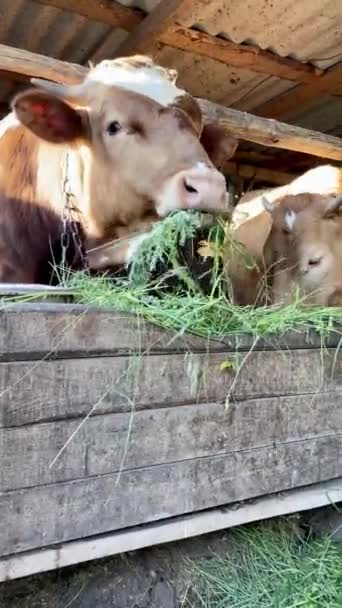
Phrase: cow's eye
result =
(315, 261)
(113, 127)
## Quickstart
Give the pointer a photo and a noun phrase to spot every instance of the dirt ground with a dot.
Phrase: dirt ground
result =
(151, 578)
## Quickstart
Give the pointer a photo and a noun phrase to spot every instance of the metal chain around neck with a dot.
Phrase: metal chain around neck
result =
(70, 225)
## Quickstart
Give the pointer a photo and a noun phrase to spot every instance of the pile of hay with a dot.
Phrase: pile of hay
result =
(184, 306)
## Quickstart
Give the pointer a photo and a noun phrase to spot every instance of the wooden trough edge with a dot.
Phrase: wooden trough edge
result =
(245, 126)
(34, 330)
(174, 529)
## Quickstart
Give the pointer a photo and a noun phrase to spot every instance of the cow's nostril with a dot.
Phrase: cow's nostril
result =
(189, 188)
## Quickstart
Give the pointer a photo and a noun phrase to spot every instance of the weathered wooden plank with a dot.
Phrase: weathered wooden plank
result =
(244, 126)
(24, 63)
(49, 390)
(177, 528)
(269, 132)
(107, 444)
(78, 509)
(243, 56)
(34, 331)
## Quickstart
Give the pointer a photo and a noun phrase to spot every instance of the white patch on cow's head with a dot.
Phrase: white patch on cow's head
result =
(201, 166)
(9, 122)
(290, 218)
(149, 81)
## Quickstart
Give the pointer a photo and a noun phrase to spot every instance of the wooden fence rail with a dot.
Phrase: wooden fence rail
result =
(108, 423)
(246, 126)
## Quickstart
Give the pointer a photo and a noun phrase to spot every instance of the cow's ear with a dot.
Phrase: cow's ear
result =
(190, 107)
(333, 207)
(48, 117)
(218, 144)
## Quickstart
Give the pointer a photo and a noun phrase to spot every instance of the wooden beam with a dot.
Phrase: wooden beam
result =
(241, 124)
(28, 64)
(272, 133)
(189, 40)
(260, 174)
(239, 55)
(168, 530)
(144, 37)
(104, 11)
(303, 96)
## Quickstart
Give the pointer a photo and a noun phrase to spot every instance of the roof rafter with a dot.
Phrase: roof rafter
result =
(104, 11)
(190, 40)
(240, 55)
(155, 24)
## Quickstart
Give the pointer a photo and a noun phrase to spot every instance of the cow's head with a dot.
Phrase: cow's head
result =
(306, 242)
(139, 126)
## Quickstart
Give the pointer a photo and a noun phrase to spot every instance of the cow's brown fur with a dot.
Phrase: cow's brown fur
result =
(24, 221)
(252, 224)
(118, 193)
(305, 249)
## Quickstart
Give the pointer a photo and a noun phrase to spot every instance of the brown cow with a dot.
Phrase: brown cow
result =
(252, 224)
(125, 144)
(305, 249)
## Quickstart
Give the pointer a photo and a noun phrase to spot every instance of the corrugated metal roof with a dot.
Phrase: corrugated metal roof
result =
(47, 30)
(296, 28)
(303, 29)
(221, 83)
(326, 117)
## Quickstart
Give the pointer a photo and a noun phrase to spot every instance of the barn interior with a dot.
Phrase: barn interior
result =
(275, 59)
(237, 413)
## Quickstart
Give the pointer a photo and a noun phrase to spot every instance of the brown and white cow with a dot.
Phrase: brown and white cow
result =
(304, 249)
(126, 143)
(252, 225)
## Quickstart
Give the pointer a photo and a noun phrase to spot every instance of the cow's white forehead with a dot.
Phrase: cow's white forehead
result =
(147, 81)
(9, 122)
(290, 219)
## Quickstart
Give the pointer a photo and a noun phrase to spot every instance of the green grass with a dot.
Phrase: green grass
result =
(186, 308)
(207, 316)
(270, 567)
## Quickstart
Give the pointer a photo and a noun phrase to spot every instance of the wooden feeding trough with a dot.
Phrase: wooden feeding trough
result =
(115, 434)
